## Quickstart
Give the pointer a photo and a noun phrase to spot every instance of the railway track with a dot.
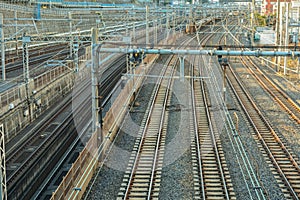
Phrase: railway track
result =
(111, 76)
(142, 177)
(251, 176)
(214, 182)
(39, 145)
(34, 154)
(284, 165)
(210, 168)
(48, 137)
(278, 95)
(211, 175)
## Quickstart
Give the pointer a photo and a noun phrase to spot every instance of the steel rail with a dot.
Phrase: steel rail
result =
(261, 138)
(240, 150)
(24, 144)
(160, 130)
(143, 134)
(204, 40)
(151, 109)
(214, 140)
(210, 128)
(282, 98)
(197, 138)
(245, 158)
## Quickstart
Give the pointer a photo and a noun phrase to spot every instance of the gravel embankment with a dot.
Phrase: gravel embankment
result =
(237, 172)
(280, 120)
(109, 179)
(177, 178)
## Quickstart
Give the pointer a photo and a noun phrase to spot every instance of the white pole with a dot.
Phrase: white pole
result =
(94, 69)
(155, 33)
(281, 35)
(174, 21)
(147, 26)
(298, 19)
(286, 34)
(25, 41)
(16, 29)
(133, 32)
(71, 36)
(252, 22)
(277, 39)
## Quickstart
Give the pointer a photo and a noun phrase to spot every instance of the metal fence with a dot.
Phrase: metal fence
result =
(9, 96)
(47, 77)
(17, 94)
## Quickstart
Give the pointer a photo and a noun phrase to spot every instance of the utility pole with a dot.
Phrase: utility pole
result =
(281, 31)
(287, 9)
(155, 31)
(96, 105)
(71, 36)
(2, 47)
(16, 29)
(25, 41)
(174, 21)
(126, 22)
(298, 19)
(167, 21)
(133, 32)
(190, 21)
(277, 41)
(76, 48)
(168, 17)
(147, 26)
(226, 29)
(252, 21)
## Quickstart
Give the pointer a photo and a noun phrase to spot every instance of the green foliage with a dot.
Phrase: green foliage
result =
(260, 19)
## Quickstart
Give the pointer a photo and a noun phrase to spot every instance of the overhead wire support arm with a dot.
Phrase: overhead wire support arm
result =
(256, 53)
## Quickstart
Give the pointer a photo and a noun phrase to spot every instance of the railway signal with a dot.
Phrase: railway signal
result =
(220, 56)
(136, 58)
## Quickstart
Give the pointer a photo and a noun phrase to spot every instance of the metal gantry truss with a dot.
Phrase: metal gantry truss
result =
(182, 52)
(211, 52)
(3, 191)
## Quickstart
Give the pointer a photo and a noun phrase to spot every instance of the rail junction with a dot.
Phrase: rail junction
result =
(141, 101)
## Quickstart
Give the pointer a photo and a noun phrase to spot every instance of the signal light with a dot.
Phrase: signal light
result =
(220, 48)
(220, 56)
